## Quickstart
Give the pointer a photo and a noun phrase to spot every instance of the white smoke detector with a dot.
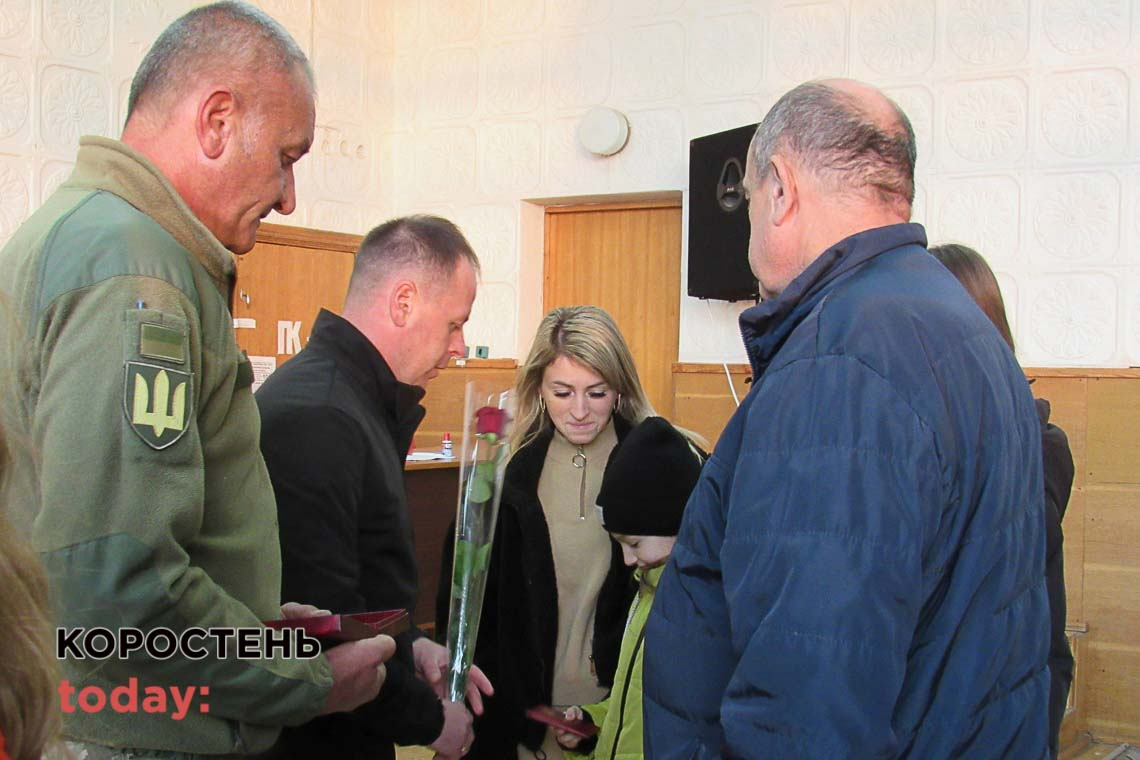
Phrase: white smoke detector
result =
(603, 131)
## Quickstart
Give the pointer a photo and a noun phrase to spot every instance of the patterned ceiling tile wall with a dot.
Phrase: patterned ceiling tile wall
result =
(1027, 114)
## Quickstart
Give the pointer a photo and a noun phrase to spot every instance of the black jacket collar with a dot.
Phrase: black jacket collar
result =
(356, 356)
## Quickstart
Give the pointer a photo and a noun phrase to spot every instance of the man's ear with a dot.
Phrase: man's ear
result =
(783, 190)
(402, 301)
(216, 121)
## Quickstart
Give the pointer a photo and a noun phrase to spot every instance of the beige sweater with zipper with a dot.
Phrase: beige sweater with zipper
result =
(581, 550)
(581, 558)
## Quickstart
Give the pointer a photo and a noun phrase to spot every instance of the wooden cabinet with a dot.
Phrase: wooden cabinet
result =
(433, 494)
(288, 277)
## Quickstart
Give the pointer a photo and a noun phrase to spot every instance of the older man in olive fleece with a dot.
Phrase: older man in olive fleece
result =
(147, 499)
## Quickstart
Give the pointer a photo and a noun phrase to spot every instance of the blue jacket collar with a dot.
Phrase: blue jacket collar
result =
(766, 326)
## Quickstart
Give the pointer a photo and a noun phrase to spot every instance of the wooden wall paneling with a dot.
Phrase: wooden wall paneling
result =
(1112, 592)
(433, 493)
(1114, 413)
(1112, 610)
(702, 401)
(444, 399)
(289, 276)
(270, 276)
(302, 237)
(627, 260)
(1111, 674)
(1112, 557)
(1112, 517)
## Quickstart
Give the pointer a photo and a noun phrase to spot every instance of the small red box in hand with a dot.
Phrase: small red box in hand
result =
(336, 629)
(554, 717)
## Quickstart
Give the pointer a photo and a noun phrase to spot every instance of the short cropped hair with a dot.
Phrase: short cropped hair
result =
(430, 244)
(839, 141)
(229, 36)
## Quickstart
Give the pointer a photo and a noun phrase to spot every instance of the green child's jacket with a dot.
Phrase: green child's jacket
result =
(619, 715)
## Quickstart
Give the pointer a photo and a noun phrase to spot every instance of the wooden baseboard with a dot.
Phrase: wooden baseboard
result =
(1080, 743)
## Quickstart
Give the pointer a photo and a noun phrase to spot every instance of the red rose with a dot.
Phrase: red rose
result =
(490, 420)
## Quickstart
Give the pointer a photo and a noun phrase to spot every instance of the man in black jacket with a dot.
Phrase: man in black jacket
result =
(337, 422)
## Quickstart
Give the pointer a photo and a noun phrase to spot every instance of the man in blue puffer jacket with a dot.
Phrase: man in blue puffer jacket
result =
(860, 571)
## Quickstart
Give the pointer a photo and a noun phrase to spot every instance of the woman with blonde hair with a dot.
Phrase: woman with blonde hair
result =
(557, 589)
(583, 335)
(29, 717)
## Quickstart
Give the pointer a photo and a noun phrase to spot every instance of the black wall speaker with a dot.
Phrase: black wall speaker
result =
(718, 217)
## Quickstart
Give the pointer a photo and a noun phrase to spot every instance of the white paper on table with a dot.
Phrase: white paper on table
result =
(427, 456)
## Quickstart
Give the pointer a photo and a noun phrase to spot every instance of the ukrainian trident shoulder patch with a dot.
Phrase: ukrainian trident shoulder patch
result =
(158, 402)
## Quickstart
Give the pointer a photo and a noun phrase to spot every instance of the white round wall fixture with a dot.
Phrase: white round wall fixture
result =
(603, 131)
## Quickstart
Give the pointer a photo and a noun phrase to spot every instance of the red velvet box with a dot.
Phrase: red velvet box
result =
(553, 717)
(340, 628)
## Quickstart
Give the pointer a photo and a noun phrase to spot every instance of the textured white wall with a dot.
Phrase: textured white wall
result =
(1027, 112)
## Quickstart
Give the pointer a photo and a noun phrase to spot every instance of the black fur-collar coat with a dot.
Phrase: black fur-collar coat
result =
(519, 629)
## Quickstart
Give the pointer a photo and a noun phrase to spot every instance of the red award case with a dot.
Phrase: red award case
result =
(336, 629)
(553, 717)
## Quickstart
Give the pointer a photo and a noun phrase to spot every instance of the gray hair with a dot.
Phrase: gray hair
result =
(229, 36)
(430, 244)
(834, 137)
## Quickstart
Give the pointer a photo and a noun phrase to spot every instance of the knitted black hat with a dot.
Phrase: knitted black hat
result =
(647, 481)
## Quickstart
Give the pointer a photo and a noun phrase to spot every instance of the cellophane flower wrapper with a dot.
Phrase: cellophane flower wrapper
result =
(483, 461)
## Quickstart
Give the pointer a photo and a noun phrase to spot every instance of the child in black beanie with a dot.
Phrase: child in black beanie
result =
(647, 482)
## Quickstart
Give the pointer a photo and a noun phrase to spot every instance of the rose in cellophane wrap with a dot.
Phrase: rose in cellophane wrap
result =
(485, 449)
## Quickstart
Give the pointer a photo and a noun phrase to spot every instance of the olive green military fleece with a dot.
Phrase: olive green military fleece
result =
(142, 485)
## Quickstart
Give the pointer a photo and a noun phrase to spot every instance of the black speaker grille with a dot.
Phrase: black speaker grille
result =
(718, 217)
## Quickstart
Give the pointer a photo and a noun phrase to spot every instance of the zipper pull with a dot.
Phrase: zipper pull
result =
(579, 461)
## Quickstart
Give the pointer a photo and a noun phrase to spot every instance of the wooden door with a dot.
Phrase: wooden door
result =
(625, 258)
(288, 277)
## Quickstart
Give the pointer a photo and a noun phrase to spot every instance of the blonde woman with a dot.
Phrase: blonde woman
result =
(557, 590)
(29, 716)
